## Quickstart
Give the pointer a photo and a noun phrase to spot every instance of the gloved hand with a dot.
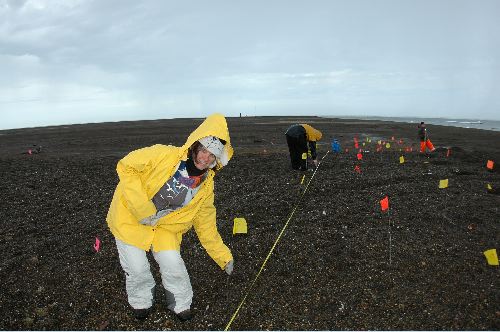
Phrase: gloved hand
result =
(229, 267)
(149, 221)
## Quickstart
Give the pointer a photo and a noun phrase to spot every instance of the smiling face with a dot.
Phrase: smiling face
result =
(203, 158)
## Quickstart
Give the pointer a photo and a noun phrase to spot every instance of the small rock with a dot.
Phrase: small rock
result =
(28, 321)
(42, 312)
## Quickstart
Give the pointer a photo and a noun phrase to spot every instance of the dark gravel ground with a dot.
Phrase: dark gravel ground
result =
(341, 264)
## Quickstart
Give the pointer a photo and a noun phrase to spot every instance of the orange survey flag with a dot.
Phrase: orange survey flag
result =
(490, 164)
(384, 203)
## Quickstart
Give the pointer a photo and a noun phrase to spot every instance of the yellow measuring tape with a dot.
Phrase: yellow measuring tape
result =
(272, 249)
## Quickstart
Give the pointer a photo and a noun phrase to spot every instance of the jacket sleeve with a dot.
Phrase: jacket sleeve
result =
(130, 169)
(206, 229)
(312, 147)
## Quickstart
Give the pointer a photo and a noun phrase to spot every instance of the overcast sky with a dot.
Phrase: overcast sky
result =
(79, 61)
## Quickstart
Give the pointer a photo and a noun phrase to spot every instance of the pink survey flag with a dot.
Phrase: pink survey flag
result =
(490, 164)
(97, 244)
(357, 169)
(384, 203)
(360, 156)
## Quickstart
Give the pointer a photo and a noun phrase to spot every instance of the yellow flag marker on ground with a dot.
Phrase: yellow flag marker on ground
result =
(401, 159)
(491, 256)
(304, 155)
(488, 186)
(443, 184)
(379, 142)
(303, 177)
(239, 226)
(387, 145)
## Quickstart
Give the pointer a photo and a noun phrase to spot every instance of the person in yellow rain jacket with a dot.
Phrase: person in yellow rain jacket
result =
(163, 192)
(298, 137)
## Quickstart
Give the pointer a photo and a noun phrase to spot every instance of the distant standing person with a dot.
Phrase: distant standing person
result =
(163, 192)
(425, 142)
(298, 137)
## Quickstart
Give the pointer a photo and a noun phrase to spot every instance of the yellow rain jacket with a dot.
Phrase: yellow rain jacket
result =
(142, 173)
(312, 134)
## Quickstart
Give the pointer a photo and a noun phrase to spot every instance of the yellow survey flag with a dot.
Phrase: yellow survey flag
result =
(443, 184)
(379, 142)
(491, 256)
(488, 186)
(303, 177)
(387, 145)
(239, 226)
(401, 159)
(304, 155)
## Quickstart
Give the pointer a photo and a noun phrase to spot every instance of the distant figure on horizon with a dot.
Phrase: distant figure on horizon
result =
(163, 192)
(425, 142)
(298, 137)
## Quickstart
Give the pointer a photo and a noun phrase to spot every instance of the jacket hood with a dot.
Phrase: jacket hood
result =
(213, 125)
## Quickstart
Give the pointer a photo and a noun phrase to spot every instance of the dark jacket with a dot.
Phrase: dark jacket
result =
(311, 134)
(422, 132)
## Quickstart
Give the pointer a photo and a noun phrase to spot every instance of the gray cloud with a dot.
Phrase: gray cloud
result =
(120, 60)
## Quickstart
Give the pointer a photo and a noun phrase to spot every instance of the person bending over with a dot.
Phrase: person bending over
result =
(298, 137)
(164, 191)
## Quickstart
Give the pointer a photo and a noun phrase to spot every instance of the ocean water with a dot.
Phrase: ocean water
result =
(463, 123)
